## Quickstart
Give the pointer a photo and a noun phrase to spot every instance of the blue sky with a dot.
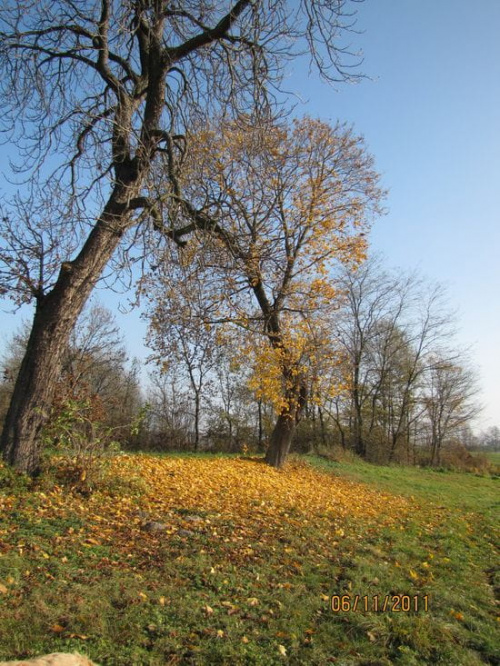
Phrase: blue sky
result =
(430, 113)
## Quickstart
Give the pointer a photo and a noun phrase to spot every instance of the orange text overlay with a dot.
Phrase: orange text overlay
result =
(392, 603)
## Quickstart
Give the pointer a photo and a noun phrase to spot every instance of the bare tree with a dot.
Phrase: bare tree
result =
(179, 331)
(94, 367)
(371, 296)
(391, 327)
(169, 417)
(105, 91)
(96, 364)
(450, 401)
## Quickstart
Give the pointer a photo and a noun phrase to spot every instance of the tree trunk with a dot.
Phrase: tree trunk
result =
(394, 443)
(282, 435)
(359, 443)
(281, 440)
(322, 426)
(196, 420)
(260, 444)
(55, 316)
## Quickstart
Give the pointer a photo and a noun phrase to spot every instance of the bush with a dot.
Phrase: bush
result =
(74, 431)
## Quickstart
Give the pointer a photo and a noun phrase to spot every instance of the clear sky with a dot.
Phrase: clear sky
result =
(430, 113)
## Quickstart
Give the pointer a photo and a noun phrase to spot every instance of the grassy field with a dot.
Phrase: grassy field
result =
(494, 456)
(218, 560)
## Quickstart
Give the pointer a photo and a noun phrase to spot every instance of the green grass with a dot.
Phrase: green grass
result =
(494, 457)
(72, 577)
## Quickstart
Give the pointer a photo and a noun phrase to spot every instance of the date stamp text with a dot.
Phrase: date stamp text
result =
(379, 603)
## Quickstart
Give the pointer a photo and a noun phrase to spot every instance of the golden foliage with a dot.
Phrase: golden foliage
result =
(242, 507)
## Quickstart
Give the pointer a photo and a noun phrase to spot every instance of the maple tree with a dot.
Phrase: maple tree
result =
(94, 96)
(282, 206)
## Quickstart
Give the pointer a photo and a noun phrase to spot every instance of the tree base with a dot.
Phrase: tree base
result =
(281, 440)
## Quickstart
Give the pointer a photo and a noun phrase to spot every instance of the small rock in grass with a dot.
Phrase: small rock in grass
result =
(154, 526)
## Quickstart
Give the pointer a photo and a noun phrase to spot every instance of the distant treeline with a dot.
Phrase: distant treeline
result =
(395, 391)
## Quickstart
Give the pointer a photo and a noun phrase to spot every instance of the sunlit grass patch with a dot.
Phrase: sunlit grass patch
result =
(200, 560)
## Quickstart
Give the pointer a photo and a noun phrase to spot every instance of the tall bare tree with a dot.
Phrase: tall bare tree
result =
(95, 94)
(392, 328)
(450, 401)
(179, 333)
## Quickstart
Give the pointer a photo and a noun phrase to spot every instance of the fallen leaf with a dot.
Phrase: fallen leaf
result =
(57, 628)
(458, 616)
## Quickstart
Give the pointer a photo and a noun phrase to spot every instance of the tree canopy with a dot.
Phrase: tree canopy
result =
(275, 208)
(99, 95)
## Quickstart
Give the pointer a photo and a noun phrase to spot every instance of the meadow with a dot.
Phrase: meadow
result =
(224, 560)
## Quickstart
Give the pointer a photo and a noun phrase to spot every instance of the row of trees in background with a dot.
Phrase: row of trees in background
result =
(390, 385)
(396, 390)
(98, 394)
(410, 390)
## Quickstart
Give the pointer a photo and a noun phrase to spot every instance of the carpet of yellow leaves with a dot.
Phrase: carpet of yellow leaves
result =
(246, 488)
(239, 507)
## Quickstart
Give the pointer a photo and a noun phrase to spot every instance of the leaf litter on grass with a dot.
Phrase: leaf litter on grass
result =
(256, 554)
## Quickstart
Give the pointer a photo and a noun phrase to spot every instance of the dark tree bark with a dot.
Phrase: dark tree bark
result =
(55, 317)
(137, 109)
(281, 440)
(260, 441)
(197, 410)
(322, 426)
(359, 443)
(285, 426)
